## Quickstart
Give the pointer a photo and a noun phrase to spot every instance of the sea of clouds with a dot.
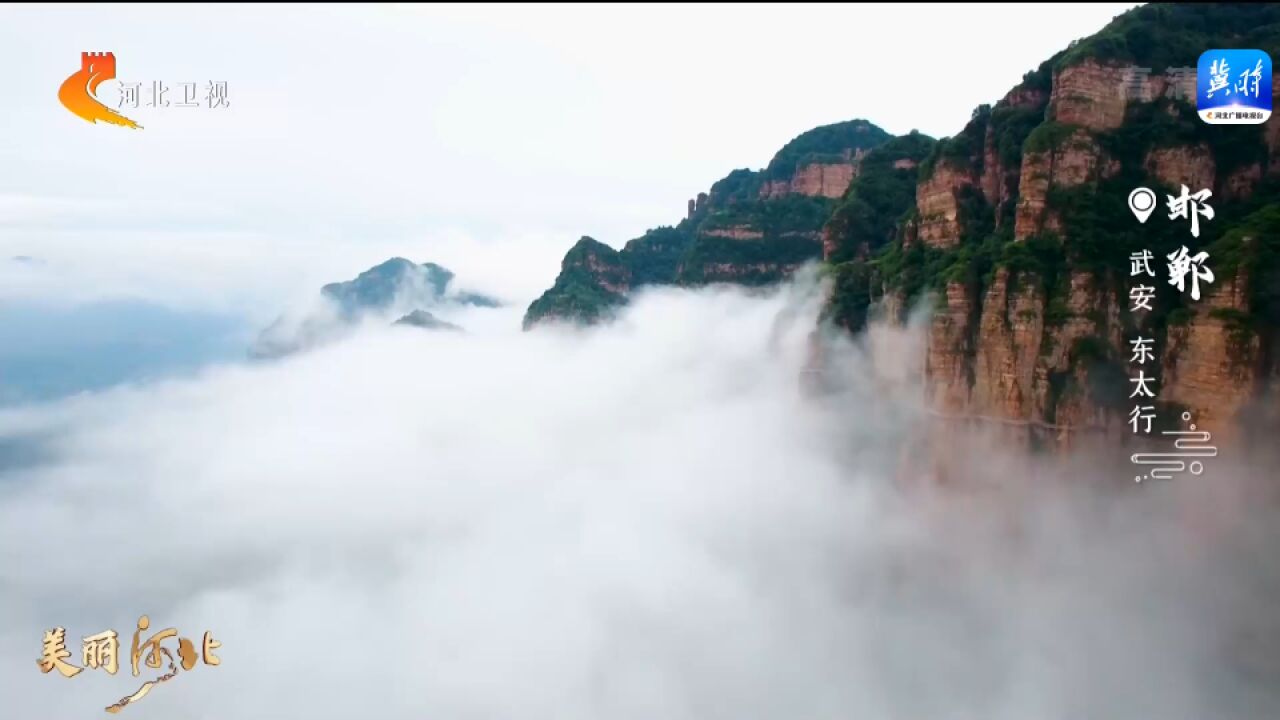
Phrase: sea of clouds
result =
(648, 520)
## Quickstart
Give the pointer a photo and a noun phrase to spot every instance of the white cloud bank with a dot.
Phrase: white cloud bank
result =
(645, 521)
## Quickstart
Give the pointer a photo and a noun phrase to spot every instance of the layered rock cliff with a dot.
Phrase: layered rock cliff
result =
(1020, 232)
(1017, 234)
(818, 179)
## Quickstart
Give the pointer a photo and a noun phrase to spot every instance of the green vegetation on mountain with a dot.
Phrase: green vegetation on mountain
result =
(748, 262)
(741, 185)
(962, 151)
(578, 294)
(825, 144)
(1165, 35)
(1012, 125)
(855, 287)
(773, 217)
(1253, 246)
(867, 217)
(654, 257)
(769, 237)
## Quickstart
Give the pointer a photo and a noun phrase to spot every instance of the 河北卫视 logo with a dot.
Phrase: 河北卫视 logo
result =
(79, 92)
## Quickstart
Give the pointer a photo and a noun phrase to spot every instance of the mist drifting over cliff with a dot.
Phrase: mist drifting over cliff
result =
(646, 520)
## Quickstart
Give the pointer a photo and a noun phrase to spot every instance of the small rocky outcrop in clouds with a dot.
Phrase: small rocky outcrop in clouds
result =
(396, 281)
(427, 321)
(397, 288)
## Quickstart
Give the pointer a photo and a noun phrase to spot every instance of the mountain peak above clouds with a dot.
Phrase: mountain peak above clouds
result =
(395, 288)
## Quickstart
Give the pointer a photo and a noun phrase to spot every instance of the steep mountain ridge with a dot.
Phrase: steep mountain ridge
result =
(1018, 228)
(1031, 276)
(752, 227)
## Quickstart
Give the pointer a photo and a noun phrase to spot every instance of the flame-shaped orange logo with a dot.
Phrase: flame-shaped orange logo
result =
(78, 92)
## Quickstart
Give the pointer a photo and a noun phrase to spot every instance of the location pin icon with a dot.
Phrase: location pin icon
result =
(1142, 201)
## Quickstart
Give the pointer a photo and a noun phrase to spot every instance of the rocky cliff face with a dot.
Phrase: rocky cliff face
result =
(1090, 94)
(938, 205)
(865, 220)
(734, 232)
(1072, 161)
(1214, 362)
(818, 179)
(1034, 321)
(948, 361)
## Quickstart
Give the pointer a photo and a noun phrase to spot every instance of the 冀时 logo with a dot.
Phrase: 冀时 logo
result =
(1233, 87)
(79, 92)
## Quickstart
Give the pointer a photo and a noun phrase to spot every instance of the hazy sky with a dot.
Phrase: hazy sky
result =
(484, 138)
